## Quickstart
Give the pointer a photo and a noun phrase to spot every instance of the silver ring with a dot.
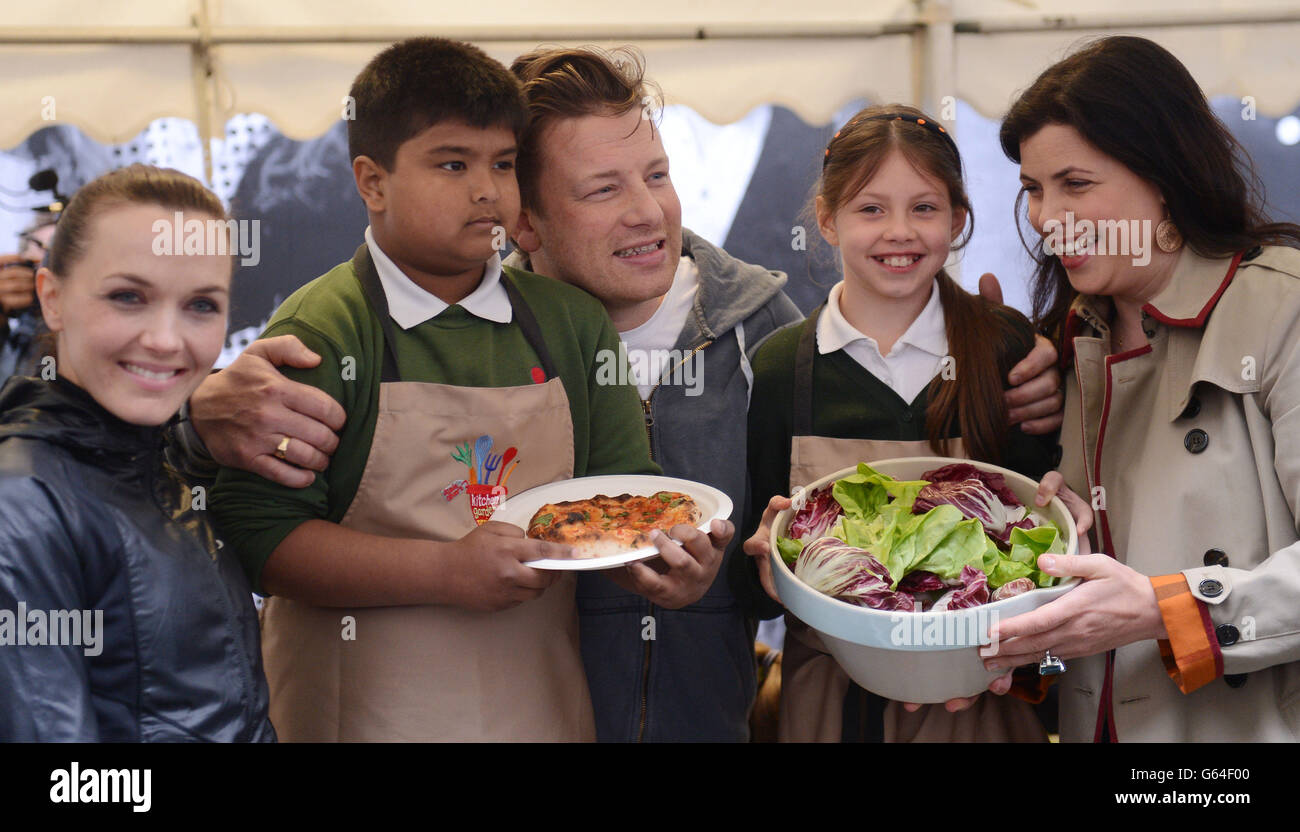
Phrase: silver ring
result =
(1050, 665)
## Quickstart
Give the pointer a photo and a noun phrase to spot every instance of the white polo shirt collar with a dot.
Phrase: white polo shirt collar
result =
(912, 361)
(927, 332)
(410, 305)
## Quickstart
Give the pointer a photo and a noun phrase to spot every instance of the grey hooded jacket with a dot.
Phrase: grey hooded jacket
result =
(688, 674)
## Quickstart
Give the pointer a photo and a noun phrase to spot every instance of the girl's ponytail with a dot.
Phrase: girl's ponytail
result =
(967, 394)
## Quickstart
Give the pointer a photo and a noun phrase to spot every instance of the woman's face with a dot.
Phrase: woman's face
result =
(895, 234)
(1104, 214)
(138, 331)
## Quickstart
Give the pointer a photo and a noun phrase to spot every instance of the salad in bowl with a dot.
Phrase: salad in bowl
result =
(902, 566)
(956, 537)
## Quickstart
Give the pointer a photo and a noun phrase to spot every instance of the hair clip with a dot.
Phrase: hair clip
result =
(920, 121)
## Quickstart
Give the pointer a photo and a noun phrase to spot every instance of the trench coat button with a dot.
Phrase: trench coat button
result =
(1210, 588)
(1216, 557)
(1193, 408)
(1252, 254)
(1235, 680)
(1196, 440)
(907, 417)
(1227, 634)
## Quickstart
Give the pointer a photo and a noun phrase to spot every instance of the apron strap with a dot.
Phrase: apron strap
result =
(374, 292)
(528, 324)
(803, 375)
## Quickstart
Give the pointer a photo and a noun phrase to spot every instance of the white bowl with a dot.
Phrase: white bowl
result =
(914, 656)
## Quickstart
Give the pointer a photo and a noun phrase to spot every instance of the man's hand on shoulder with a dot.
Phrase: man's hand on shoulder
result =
(1035, 401)
(244, 412)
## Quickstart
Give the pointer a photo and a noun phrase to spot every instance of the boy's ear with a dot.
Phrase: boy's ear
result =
(526, 236)
(826, 222)
(370, 177)
(48, 289)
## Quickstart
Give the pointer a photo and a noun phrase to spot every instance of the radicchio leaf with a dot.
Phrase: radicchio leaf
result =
(1012, 588)
(971, 497)
(964, 471)
(1004, 539)
(920, 581)
(835, 568)
(974, 592)
(817, 516)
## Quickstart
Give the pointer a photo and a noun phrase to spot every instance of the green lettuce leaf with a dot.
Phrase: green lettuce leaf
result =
(789, 549)
(912, 538)
(1022, 559)
(867, 492)
(964, 545)
(1005, 571)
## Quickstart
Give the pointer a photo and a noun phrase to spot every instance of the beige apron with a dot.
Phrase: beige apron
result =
(813, 686)
(439, 672)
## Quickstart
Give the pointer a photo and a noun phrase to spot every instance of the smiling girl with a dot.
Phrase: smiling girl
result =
(95, 526)
(900, 361)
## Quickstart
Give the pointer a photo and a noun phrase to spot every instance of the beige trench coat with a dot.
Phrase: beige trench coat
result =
(1194, 442)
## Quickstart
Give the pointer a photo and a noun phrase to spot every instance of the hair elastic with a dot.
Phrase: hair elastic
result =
(928, 124)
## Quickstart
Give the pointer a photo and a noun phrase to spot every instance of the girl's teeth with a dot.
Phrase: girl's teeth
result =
(141, 371)
(898, 262)
(632, 252)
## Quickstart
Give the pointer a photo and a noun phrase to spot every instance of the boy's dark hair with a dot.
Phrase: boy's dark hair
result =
(561, 83)
(419, 82)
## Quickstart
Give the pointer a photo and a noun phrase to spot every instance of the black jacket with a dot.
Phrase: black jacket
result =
(92, 519)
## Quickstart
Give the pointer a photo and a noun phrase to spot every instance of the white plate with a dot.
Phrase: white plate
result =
(519, 509)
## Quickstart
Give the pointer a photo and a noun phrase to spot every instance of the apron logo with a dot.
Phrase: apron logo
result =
(485, 495)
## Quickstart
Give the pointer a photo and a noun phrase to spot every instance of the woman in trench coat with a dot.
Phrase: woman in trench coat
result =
(1182, 414)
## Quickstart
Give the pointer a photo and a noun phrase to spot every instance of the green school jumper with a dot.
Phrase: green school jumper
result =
(332, 317)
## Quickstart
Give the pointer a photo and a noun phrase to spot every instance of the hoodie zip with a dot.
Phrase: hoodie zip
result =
(647, 407)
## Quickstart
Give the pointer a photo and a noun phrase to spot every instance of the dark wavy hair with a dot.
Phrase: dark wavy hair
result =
(1134, 101)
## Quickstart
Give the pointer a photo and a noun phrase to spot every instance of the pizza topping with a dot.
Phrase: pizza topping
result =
(604, 525)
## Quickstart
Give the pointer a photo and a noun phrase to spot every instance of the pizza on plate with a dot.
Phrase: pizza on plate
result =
(605, 525)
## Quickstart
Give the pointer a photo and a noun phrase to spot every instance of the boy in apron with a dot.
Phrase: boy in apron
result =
(398, 610)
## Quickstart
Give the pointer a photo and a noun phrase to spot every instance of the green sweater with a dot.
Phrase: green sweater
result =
(332, 317)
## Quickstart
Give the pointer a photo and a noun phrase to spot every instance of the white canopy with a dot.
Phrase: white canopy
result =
(111, 68)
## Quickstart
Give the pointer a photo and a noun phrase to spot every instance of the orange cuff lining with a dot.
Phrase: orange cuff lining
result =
(1028, 684)
(1191, 653)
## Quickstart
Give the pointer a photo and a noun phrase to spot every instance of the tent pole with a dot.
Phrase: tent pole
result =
(201, 64)
(937, 70)
(938, 58)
